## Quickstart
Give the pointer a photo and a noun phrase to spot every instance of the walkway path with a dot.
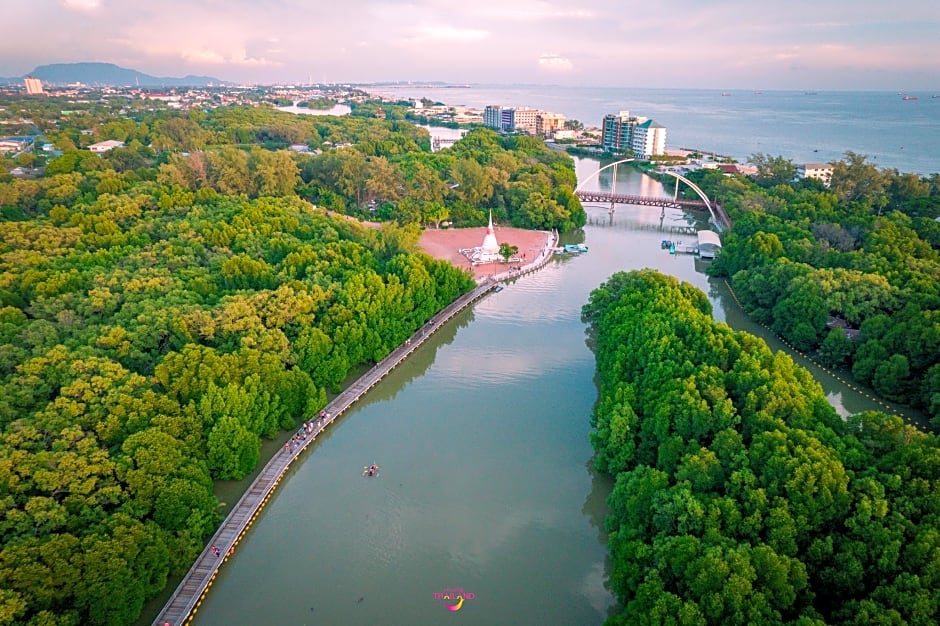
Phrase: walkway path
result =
(185, 601)
(515, 271)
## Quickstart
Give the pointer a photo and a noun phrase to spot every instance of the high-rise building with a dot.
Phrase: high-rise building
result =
(617, 130)
(33, 86)
(507, 119)
(642, 136)
(649, 139)
(547, 123)
(492, 117)
(524, 120)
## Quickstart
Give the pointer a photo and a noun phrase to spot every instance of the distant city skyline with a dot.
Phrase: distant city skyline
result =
(712, 44)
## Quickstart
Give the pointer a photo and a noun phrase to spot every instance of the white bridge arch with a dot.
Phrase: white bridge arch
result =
(701, 194)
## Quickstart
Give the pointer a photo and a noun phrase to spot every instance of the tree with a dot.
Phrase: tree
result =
(507, 251)
(273, 173)
(836, 348)
(434, 213)
(740, 496)
(772, 171)
(232, 450)
(856, 180)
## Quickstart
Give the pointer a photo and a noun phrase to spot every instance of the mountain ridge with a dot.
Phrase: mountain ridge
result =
(109, 74)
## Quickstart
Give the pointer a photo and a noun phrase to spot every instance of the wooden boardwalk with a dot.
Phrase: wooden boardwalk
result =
(185, 601)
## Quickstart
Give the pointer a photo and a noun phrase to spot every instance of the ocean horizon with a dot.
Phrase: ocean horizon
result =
(811, 126)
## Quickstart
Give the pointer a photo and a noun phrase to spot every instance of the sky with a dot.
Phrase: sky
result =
(711, 44)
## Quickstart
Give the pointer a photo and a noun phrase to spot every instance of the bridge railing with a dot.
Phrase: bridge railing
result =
(602, 196)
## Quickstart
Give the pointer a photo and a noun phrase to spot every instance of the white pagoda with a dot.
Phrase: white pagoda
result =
(488, 252)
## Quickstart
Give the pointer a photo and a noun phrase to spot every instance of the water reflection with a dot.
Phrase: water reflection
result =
(336, 110)
(483, 440)
(419, 361)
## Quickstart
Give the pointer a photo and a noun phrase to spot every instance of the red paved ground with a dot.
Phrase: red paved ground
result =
(445, 243)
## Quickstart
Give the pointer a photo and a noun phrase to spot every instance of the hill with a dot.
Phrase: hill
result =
(110, 74)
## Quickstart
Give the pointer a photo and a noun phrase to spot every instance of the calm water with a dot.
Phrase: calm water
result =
(485, 485)
(817, 127)
(336, 109)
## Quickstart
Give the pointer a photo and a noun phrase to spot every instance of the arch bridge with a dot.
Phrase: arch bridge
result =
(443, 142)
(718, 216)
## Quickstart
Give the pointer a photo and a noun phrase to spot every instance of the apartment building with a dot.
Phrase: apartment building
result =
(522, 119)
(492, 116)
(33, 86)
(525, 120)
(819, 171)
(644, 137)
(547, 123)
(649, 139)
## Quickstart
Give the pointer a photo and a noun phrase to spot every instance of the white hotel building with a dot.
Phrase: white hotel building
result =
(644, 137)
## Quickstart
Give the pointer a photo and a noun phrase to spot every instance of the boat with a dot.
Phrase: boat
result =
(576, 247)
(665, 244)
(910, 98)
(370, 470)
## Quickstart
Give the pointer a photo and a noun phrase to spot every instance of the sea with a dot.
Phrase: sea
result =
(892, 130)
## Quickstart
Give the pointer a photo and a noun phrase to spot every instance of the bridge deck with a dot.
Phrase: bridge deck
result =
(618, 198)
(182, 605)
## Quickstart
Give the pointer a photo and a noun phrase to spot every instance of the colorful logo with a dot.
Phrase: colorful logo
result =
(454, 597)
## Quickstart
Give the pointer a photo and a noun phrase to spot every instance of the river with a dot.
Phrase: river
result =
(335, 110)
(482, 438)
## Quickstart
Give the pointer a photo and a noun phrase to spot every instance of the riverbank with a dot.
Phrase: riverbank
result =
(442, 244)
(192, 589)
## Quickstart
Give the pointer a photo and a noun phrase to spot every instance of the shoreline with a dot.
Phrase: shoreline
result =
(182, 602)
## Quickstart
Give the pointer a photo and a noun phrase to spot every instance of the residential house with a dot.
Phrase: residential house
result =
(104, 146)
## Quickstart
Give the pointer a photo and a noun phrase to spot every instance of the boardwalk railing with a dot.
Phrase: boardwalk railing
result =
(515, 271)
(181, 607)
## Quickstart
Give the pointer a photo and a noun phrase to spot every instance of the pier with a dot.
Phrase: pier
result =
(182, 605)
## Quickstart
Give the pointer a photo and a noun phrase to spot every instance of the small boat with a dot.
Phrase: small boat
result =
(910, 98)
(576, 247)
(370, 470)
(665, 244)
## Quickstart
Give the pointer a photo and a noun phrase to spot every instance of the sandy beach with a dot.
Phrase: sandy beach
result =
(445, 243)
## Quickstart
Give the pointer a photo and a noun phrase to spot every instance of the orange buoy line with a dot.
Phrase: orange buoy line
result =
(888, 408)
